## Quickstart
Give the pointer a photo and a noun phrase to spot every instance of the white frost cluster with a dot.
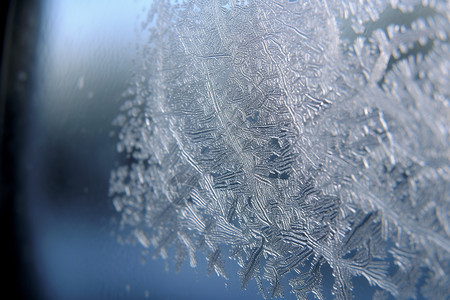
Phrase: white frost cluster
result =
(286, 135)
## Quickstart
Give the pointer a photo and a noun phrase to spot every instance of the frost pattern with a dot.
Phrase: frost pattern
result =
(286, 135)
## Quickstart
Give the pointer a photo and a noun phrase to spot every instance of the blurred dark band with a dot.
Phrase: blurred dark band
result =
(20, 27)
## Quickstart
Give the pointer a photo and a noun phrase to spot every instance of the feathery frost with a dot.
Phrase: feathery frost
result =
(286, 135)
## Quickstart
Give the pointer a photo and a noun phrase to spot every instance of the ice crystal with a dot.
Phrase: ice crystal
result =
(287, 135)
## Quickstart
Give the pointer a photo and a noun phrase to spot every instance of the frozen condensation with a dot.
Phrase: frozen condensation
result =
(289, 135)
